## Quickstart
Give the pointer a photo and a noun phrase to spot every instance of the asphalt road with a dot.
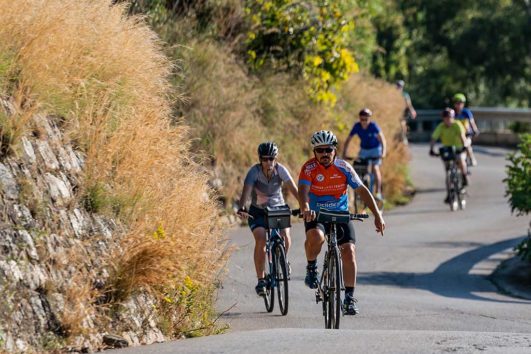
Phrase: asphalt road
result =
(422, 288)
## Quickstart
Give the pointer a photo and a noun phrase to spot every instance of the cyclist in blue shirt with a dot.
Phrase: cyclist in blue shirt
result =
(465, 116)
(373, 146)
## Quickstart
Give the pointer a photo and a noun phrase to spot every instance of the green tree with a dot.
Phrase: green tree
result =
(307, 38)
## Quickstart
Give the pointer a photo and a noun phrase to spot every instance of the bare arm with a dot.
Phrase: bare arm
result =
(292, 187)
(367, 198)
(474, 126)
(412, 111)
(304, 202)
(345, 148)
(246, 193)
(381, 138)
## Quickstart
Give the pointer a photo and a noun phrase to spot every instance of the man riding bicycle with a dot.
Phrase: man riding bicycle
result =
(373, 146)
(323, 183)
(409, 112)
(451, 133)
(465, 116)
(264, 182)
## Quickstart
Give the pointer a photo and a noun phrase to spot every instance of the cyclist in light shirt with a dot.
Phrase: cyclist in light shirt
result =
(264, 184)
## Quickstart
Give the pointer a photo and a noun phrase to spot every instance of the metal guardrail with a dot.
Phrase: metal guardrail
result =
(494, 124)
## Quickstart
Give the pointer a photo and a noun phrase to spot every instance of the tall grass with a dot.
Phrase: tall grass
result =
(230, 112)
(105, 74)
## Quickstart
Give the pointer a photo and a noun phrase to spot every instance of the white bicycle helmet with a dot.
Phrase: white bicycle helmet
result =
(323, 137)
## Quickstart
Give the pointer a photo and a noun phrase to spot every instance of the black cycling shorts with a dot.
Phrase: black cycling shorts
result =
(345, 232)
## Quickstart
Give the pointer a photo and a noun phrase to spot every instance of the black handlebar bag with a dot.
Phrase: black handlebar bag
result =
(278, 217)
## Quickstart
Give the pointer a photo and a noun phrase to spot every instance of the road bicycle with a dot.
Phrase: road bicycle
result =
(277, 269)
(363, 168)
(331, 282)
(454, 181)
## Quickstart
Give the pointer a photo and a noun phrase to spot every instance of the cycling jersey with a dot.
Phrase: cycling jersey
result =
(450, 136)
(369, 136)
(267, 192)
(466, 118)
(328, 185)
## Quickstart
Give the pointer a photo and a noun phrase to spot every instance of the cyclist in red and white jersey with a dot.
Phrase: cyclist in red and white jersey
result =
(323, 183)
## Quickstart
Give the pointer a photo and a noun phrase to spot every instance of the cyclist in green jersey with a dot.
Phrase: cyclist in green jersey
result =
(451, 133)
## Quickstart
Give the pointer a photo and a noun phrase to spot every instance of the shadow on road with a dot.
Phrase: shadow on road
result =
(488, 152)
(430, 190)
(451, 278)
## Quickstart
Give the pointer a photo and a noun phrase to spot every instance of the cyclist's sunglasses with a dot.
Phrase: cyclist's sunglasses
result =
(323, 150)
(267, 158)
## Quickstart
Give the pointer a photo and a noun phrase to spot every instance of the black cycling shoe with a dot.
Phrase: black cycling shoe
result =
(350, 306)
(447, 200)
(261, 287)
(311, 277)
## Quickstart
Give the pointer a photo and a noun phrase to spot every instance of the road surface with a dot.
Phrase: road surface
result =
(421, 288)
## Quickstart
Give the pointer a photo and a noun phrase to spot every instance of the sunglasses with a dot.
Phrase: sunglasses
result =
(364, 119)
(267, 158)
(323, 150)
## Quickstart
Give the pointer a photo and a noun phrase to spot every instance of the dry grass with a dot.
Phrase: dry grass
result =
(106, 75)
(230, 112)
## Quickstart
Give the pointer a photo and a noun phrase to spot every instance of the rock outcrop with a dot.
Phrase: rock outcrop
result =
(53, 251)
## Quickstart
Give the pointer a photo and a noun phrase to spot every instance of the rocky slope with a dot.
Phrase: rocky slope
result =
(51, 250)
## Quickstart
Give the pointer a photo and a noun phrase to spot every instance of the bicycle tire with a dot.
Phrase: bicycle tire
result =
(269, 297)
(334, 291)
(281, 273)
(450, 185)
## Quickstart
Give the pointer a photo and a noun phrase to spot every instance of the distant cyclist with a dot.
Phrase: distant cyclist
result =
(373, 146)
(465, 116)
(323, 183)
(264, 183)
(451, 133)
(409, 112)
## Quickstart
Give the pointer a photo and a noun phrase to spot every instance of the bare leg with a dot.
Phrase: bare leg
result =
(348, 255)
(377, 179)
(314, 242)
(259, 251)
(285, 233)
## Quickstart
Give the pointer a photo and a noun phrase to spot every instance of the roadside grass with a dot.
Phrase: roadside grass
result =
(105, 74)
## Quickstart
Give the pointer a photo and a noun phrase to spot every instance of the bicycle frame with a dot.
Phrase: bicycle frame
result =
(272, 238)
(332, 245)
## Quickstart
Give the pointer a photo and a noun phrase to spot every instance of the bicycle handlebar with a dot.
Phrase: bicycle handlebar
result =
(360, 217)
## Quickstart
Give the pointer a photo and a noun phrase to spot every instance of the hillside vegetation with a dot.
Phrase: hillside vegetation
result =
(105, 77)
(246, 79)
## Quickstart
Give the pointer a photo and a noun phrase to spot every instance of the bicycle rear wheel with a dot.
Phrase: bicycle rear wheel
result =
(281, 272)
(333, 298)
(269, 297)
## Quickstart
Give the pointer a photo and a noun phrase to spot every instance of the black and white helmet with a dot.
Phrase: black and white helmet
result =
(268, 148)
(323, 137)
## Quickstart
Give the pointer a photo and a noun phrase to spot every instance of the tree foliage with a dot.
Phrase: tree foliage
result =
(518, 181)
(478, 47)
(308, 38)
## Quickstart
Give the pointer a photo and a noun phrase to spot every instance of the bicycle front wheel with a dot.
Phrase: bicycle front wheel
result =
(333, 298)
(269, 297)
(281, 272)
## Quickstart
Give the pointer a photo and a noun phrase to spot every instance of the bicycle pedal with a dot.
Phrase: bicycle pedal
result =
(318, 298)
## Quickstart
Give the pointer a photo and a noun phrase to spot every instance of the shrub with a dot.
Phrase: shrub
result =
(519, 187)
(518, 182)
(308, 38)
